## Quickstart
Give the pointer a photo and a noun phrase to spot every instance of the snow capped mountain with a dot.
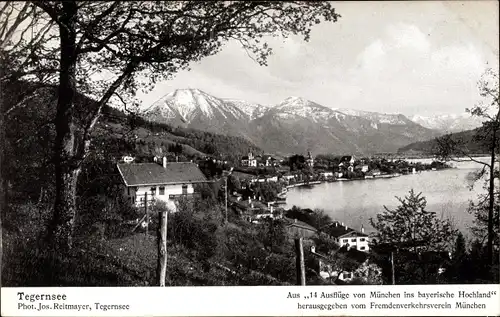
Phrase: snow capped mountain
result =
(252, 110)
(292, 126)
(377, 117)
(449, 123)
(188, 104)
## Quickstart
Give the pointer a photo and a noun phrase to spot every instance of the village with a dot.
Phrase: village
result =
(256, 192)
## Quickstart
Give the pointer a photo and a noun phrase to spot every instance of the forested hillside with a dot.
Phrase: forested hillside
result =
(468, 138)
(30, 134)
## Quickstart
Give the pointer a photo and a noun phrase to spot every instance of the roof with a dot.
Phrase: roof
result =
(337, 230)
(300, 224)
(155, 174)
(346, 158)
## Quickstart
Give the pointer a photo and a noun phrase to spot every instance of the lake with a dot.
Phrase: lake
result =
(355, 202)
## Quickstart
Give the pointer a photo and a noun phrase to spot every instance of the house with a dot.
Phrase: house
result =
(349, 237)
(297, 228)
(362, 168)
(273, 162)
(165, 181)
(249, 161)
(288, 177)
(271, 178)
(326, 175)
(347, 160)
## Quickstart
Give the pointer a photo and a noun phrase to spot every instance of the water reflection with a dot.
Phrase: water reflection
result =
(354, 202)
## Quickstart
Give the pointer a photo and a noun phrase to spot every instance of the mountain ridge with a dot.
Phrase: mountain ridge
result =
(294, 125)
(448, 123)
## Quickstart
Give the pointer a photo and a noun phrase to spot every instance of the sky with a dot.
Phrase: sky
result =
(422, 57)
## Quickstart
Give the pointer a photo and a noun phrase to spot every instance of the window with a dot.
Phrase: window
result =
(153, 191)
(128, 191)
(184, 189)
(345, 240)
(361, 248)
(353, 240)
(362, 239)
(162, 190)
(347, 275)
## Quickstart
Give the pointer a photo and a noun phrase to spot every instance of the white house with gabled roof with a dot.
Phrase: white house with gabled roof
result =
(160, 181)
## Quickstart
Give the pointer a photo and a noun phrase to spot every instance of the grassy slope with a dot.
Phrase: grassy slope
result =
(94, 261)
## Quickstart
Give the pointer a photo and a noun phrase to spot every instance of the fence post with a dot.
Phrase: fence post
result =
(162, 247)
(146, 212)
(392, 269)
(301, 269)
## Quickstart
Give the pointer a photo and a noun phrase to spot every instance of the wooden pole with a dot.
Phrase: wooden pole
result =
(301, 269)
(162, 248)
(226, 197)
(146, 212)
(392, 269)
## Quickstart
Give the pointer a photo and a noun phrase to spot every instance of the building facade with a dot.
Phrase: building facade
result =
(348, 237)
(154, 181)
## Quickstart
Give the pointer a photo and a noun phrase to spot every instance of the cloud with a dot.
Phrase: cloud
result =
(407, 36)
(406, 57)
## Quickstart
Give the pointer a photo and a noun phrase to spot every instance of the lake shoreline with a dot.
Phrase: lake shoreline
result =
(282, 195)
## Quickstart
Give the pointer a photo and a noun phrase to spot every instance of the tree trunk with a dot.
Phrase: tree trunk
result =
(161, 267)
(491, 207)
(3, 183)
(300, 267)
(67, 163)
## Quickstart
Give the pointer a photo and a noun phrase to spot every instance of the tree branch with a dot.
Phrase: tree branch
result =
(96, 22)
(20, 18)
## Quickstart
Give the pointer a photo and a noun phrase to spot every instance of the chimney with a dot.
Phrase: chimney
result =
(164, 162)
(342, 224)
(336, 224)
(345, 227)
(362, 229)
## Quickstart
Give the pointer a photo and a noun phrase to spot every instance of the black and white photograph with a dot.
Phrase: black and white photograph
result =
(249, 143)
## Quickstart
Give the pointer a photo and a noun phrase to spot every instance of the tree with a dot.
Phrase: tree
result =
(411, 222)
(137, 44)
(452, 148)
(412, 229)
(297, 162)
(367, 274)
(459, 250)
(458, 271)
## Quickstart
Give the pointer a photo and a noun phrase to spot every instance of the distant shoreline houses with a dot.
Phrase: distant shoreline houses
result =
(259, 161)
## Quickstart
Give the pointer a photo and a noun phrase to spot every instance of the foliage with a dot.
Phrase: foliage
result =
(136, 44)
(297, 162)
(486, 211)
(267, 190)
(367, 274)
(410, 222)
(275, 236)
(316, 218)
